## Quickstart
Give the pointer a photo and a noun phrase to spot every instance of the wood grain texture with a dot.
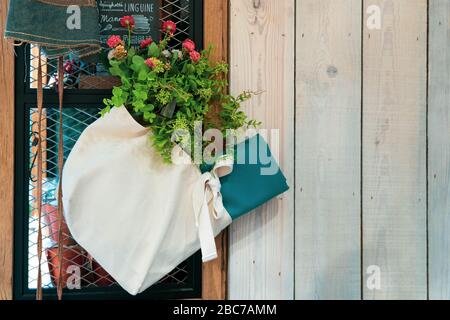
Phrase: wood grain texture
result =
(328, 114)
(261, 262)
(214, 282)
(439, 150)
(394, 150)
(6, 158)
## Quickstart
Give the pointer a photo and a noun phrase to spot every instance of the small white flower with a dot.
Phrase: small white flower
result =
(111, 54)
(166, 53)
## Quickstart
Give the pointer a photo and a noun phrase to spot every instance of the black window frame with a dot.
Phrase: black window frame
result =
(25, 99)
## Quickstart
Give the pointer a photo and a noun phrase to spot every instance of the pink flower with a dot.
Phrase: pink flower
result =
(189, 45)
(113, 41)
(151, 62)
(195, 56)
(146, 42)
(169, 27)
(127, 21)
(68, 66)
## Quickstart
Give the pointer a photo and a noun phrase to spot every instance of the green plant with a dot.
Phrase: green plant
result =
(170, 90)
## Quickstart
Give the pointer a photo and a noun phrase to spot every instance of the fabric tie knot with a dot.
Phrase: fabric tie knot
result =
(207, 189)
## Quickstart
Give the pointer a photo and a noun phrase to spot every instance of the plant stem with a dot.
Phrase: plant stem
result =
(129, 37)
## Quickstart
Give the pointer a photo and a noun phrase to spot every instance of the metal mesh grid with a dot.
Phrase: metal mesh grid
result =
(76, 261)
(90, 72)
(179, 12)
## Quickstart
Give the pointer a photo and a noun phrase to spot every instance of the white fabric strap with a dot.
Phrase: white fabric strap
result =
(207, 188)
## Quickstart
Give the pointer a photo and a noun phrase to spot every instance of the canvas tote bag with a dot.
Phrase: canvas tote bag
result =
(137, 216)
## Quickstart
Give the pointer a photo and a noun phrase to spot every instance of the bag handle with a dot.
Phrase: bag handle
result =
(60, 167)
(39, 175)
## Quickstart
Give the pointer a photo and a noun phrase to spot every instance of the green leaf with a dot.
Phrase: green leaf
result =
(114, 63)
(142, 74)
(117, 101)
(174, 59)
(153, 50)
(116, 71)
(138, 105)
(193, 84)
(190, 68)
(138, 60)
(140, 94)
(149, 116)
(105, 111)
(117, 91)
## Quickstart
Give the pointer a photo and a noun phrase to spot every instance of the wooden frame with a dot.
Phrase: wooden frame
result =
(6, 158)
(214, 284)
(214, 273)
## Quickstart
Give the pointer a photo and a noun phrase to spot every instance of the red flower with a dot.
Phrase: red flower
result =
(113, 41)
(150, 62)
(68, 66)
(195, 56)
(189, 45)
(146, 42)
(127, 21)
(169, 27)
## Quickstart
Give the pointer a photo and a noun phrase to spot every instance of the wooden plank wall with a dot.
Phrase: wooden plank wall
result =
(372, 195)
(328, 149)
(394, 150)
(439, 150)
(261, 262)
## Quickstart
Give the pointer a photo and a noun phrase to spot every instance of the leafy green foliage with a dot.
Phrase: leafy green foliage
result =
(154, 77)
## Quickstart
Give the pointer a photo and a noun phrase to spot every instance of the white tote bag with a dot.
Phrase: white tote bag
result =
(137, 216)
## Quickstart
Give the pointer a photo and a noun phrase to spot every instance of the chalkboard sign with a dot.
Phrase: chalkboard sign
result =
(145, 13)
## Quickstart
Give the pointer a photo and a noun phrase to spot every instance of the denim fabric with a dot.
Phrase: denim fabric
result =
(46, 25)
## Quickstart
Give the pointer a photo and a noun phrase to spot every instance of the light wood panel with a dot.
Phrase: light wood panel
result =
(328, 114)
(214, 282)
(6, 158)
(262, 59)
(394, 150)
(439, 150)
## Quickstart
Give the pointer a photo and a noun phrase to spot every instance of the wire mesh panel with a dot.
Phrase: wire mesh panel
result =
(79, 269)
(179, 12)
(92, 72)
